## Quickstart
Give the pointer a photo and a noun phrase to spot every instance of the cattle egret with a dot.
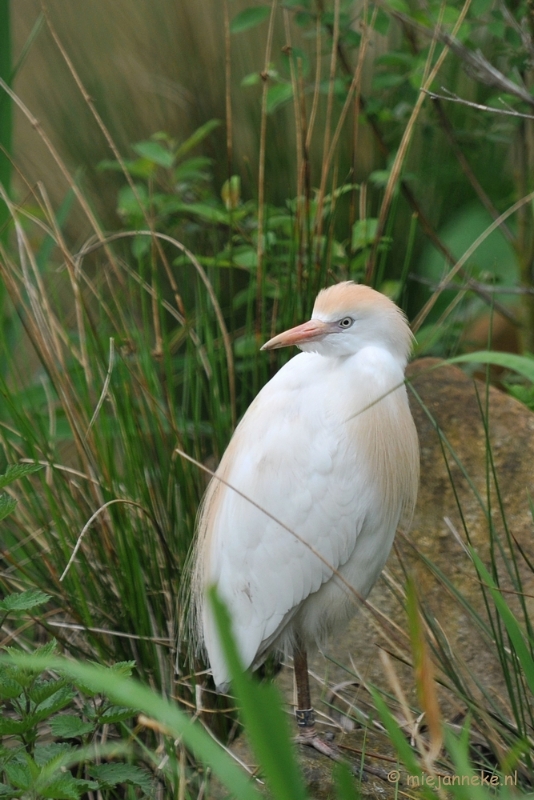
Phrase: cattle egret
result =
(328, 455)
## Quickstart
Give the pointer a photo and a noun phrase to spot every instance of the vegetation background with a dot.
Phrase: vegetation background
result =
(178, 181)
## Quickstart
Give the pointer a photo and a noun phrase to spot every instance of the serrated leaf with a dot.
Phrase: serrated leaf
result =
(16, 471)
(15, 727)
(7, 505)
(54, 703)
(23, 601)
(18, 774)
(123, 668)
(249, 18)
(10, 792)
(68, 726)
(154, 152)
(9, 688)
(59, 752)
(65, 788)
(112, 774)
(41, 689)
(117, 714)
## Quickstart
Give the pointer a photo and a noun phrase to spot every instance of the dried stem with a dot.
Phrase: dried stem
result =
(403, 147)
(261, 171)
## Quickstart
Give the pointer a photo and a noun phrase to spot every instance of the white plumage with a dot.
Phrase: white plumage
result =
(328, 448)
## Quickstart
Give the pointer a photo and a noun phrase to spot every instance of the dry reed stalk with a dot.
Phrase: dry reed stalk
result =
(261, 170)
(227, 93)
(36, 125)
(328, 123)
(402, 151)
(354, 92)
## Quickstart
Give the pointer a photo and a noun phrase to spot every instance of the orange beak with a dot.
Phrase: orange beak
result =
(307, 332)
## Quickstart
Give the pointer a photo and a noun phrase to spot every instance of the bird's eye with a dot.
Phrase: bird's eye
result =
(346, 322)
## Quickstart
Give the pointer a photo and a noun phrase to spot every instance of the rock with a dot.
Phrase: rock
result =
(454, 480)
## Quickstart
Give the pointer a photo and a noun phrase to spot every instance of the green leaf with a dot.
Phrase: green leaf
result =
(42, 690)
(382, 21)
(128, 691)
(246, 345)
(523, 365)
(246, 257)
(56, 754)
(252, 79)
(9, 687)
(249, 18)
(197, 137)
(363, 233)
(110, 775)
(129, 205)
(68, 726)
(278, 94)
(479, 7)
(66, 788)
(124, 668)
(16, 471)
(19, 775)
(154, 152)
(14, 727)
(10, 792)
(117, 714)
(7, 505)
(23, 601)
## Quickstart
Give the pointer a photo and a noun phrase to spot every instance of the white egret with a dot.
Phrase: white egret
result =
(329, 450)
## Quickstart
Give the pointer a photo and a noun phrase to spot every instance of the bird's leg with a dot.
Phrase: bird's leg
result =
(304, 712)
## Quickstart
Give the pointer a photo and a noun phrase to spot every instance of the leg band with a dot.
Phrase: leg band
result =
(305, 717)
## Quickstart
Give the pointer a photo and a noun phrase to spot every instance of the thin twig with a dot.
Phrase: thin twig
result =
(422, 315)
(261, 170)
(106, 385)
(228, 90)
(92, 519)
(450, 97)
(473, 286)
(326, 141)
(74, 627)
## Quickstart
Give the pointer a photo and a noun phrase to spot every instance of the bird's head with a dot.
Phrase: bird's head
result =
(347, 317)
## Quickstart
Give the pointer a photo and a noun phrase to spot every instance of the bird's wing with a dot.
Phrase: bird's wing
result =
(294, 462)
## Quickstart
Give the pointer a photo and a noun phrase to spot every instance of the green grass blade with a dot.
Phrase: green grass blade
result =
(265, 722)
(514, 631)
(521, 364)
